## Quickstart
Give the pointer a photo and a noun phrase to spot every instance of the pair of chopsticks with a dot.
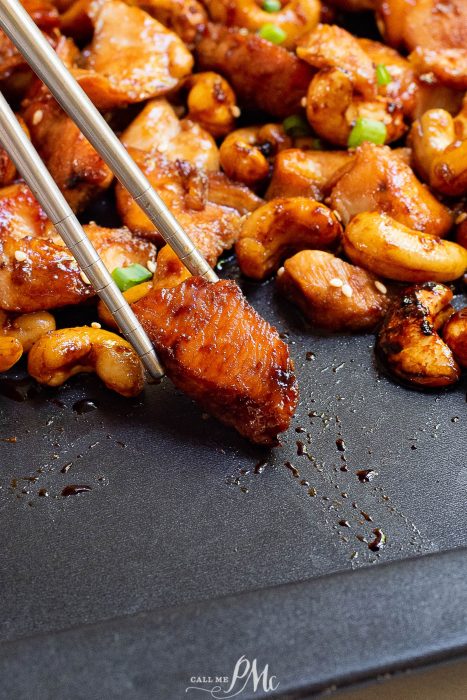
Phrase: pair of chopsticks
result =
(28, 39)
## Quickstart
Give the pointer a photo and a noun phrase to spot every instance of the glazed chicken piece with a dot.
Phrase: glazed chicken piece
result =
(298, 173)
(158, 129)
(185, 190)
(431, 24)
(455, 335)
(216, 348)
(262, 74)
(379, 180)
(332, 294)
(409, 343)
(447, 66)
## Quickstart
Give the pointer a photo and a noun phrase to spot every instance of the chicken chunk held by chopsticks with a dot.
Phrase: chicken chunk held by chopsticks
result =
(219, 351)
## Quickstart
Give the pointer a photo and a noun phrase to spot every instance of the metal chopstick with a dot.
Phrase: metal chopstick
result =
(28, 39)
(36, 175)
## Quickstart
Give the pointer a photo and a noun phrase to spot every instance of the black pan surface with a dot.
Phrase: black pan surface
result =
(182, 510)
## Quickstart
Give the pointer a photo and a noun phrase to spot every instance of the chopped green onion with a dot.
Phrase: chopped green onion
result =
(296, 126)
(126, 277)
(272, 33)
(383, 76)
(272, 5)
(367, 130)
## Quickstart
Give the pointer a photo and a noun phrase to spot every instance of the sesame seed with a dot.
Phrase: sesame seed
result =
(462, 217)
(37, 117)
(151, 265)
(236, 111)
(347, 290)
(381, 287)
(303, 102)
(85, 278)
(280, 272)
(162, 147)
(336, 282)
(95, 324)
(20, 256)
(337, 215)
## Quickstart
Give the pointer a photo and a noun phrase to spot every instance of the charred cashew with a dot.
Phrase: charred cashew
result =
(282, 227)
(382, 245)
(26, 328)
(131, 295)
(61, 354)
(408, 341)
(455, 335)
(212, 103)
(295, 17)
(244, 153)
(10, 352)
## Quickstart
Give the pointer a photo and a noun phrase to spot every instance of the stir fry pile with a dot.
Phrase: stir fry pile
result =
(336, 163)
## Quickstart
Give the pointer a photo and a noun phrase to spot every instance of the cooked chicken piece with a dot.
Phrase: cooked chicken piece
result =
(431, 24)
(158, 129)
(117, 247)
(76, 167)
(216, 348)
(75, 20)
(280, 228)
(295, 17)
(7, 167)
(386, 247)
(262, 74)
(226, 193)
(377, 179)
(170, 271)
(455, 335)
(187, 18)
(408, 342)
(245, 153)
(21, 214)
(298, 173)
(212, 103)
(132, 57)
(10, 352)
(333, 295)
(448, 66)
(185, 190)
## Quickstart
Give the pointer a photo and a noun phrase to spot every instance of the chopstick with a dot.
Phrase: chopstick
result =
(47, 193)
(30, 42)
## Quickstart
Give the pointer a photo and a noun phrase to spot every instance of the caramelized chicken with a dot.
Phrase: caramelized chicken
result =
(408, 342)
(158, 129)
(262, 74)
(21, 214)
(455, 335)
(333, 295)
(447, 66)
(117, 247)
(298, 173)
(187, 18)
(378, 180)
(217, 349)
(185, 190)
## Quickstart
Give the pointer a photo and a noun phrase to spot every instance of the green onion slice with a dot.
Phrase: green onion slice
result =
(126, 277)
(383, 76)
(272, 6)
(367, 130)
(272, 33)
(296, 126)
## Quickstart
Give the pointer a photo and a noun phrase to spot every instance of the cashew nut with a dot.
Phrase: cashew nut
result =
(455, 335)
(61, 354)
(332, 294)
(131, 295)
(281, 227)
(170, 270)
(409, 343)
(212, 103)
(10, 352)
(244, 153)
(385, 247)
(26, 328)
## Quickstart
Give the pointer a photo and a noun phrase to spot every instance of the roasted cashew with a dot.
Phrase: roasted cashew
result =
(61, 354)
(131, 295)
(282, 227)
(380, 244)
(244, 153)
(408, 341)
(10, 352)
(295, 17)
(212, 103)
(455, 335)
(332, 294)
(26, 328)
(170, 271)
